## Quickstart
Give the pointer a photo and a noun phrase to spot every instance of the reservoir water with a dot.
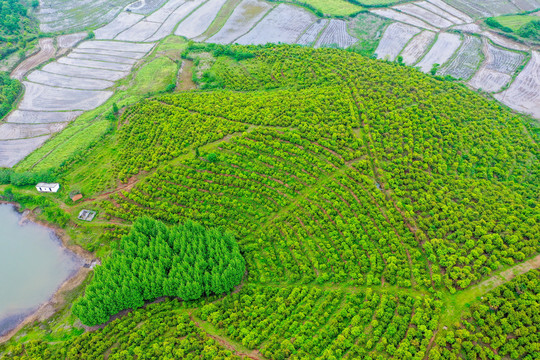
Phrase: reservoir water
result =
(33, 265)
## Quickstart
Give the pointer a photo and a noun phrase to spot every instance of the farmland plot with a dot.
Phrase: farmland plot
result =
(442, 50)
(398, 16)
(469, 28)
(41, 117)
(524, 93)
(489, 80)
(164, 12)
(46, 98)
(178, 15)
(417, 47)
(452, 10)
(73, 15)
(394, 39)
(45, 53)
(504, 41)
(484, 8)
(121, 23)
(425, 15)
(310, 36)
(145, 7)
(502, 60)
(13, 151)
(527, 5)
(70, 40)
(98, 57)
(284, 24)
(11, 131)
(130, 55)
(467, 59)
(44, 78)
(82, 72)
(336, 34)
(440, 12)
(94, 64)
(139, 32)
(243, 18)
(200, 20)
(116, 46)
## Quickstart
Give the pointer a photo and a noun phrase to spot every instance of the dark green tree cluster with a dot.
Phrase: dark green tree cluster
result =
(16, 27)
(9, 91)
(530, 30)
(185, 261)
(505, 324)
(10, 176)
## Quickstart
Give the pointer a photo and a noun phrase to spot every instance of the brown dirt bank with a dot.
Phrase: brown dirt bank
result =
(56, 302)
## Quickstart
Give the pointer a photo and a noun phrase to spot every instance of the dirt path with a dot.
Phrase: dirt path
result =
(185, 77)
(456, 304)
(46, 52)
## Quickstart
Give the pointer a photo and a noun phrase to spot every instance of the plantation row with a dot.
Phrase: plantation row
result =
(310, 323)
(345, 231)
(159, 331)
(504, 324)
(372, 180)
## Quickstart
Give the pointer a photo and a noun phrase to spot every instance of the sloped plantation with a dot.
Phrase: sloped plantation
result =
(364, 196)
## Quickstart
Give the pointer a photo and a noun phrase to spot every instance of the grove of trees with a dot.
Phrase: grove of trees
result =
(153, 260)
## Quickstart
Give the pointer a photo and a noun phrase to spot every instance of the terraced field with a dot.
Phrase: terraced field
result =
(421, 34)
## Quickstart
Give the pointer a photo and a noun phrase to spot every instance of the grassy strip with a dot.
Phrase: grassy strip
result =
(153, 76)
(221, 19)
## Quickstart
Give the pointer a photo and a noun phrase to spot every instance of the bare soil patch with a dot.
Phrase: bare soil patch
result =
(45, 53)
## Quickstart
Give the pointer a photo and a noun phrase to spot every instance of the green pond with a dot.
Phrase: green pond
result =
(33, 265)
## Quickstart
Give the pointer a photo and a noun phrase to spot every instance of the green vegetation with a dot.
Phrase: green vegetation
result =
(9, 92)
(334, 8)
(503, 324)
(365, 197)
(526, 26)
(48, 209)
(185, 261)
(325, 324)
(155, 76)
(159, 331)
(17, 27)
(89, 129)
(377, 2)
(368, 29)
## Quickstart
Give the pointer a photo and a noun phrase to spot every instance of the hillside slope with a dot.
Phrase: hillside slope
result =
(365, 196)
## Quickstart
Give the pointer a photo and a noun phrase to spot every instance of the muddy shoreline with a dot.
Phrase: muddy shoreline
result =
(57, 300)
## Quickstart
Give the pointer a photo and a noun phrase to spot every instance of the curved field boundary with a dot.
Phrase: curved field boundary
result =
(59, 92)
(443, 49)
(394, 39)
(45, 53)
(417, 47)
(524, 93)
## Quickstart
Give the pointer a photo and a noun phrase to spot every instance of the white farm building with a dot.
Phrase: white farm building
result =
(45, 187)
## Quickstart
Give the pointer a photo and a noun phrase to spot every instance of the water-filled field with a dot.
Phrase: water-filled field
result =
(33, 264)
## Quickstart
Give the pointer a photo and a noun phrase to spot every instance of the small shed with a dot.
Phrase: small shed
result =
(86, 215)
(46, 187)
(76, 197)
